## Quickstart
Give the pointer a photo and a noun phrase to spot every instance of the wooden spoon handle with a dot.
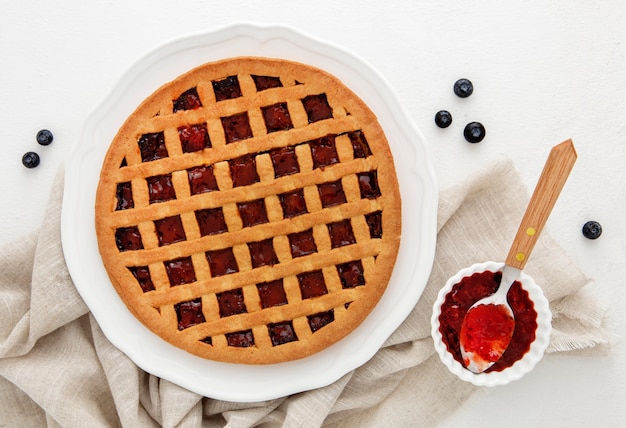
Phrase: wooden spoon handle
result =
(554, 175)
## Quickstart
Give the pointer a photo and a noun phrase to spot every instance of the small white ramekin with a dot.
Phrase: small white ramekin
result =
(521, 366)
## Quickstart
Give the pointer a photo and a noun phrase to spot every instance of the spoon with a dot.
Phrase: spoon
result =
(489, 323)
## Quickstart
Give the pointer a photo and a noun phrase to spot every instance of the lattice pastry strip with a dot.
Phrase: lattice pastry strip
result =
(249, 212)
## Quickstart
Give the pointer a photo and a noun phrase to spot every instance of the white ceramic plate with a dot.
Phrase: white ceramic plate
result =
(229, 381)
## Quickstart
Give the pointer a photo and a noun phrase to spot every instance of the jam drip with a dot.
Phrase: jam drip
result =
(243, 171)
(317, 107)
(211, 221)
(323, 151)
(272, 293)
(302, 243)
(152, 146)
(240, 339)
(189, 313)
(201, 180)
(293, 203)
(142, 275)
(331, 194)
(161, 188)
(124, 196)
(194, 137)
(359, 144)
(266, 82)
(180, 271)
(236, 127)
(285, 161)
(253, 212)
(227, 88)
(341, 234)
(222, 262)
(368, 184)
(231, 303)
(473, 288)
(188, 100)
(277, 117)
(317, 321)
(128, 239)
(312, 284)
(351, 274)
(170, 230)
(262, 253)
(375, 224)
(281, 333)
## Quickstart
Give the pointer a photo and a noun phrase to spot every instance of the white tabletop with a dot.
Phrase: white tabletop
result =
(542, 71)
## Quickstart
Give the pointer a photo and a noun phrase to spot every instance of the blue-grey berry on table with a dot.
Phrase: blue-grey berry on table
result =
(463, 88)
(443, 118)
(30, 160)
(474, 132)
(592, 230)
(44, 137)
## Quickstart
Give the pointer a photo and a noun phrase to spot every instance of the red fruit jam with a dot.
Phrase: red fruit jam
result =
(470, 290)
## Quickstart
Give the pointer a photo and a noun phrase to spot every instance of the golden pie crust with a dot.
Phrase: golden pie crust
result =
(249, 211)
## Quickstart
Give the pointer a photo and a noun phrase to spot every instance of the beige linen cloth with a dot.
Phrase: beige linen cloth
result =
(58, 369)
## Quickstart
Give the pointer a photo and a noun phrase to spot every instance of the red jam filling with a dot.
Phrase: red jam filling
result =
(359, 144)
(331, 194)
(351, 274)
(243, 171)
(293, 203)
(281, 333)
(323, 151)
(211, 221)
(194, 137)
(236, 127)
(201, 180)
(285, 161)
(368, 184)
(227, 88)
(222, 262)
(152, 146)
(277, 117)
(128, 239)
(272, 293)
(486, 331)
(317, 321)
(302, 243)
(180, 271)
(142, 275)
(169, 230)
(208, 340)
(317, 107)
(341, 234)
(262, 253)
(240, 339)
(124, 196)
(375, 224)
(188, 100)
(189, 313)
(473, 288)
(312, 284)
(266, 82)
(161, 188)
(253, 212)
(231, 303)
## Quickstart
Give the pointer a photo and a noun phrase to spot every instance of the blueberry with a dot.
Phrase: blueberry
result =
(443, 118)
(592, 230)
(44, 137)
(463, 88)
(30, 159)
(474, 132)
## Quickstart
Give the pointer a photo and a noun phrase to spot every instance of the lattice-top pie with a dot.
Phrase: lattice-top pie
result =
(249, 211)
